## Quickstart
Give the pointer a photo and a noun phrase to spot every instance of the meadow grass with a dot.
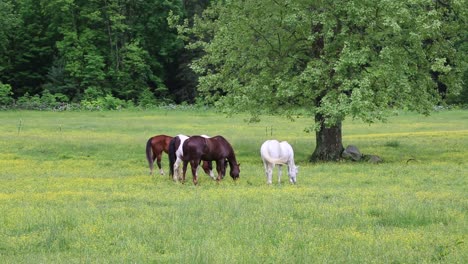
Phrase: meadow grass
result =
(74, 188)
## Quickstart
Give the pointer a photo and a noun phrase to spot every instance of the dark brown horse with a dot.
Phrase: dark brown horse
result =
(154, 149)
(175, 157)
(197, 148)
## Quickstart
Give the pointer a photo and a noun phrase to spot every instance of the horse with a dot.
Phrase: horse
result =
(198, 148)
(175, 157)
(154, 149)
(278, 153)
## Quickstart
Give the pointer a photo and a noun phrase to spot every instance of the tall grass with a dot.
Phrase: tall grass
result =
(74, 188)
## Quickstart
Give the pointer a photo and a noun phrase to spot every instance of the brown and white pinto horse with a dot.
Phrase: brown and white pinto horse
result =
(154, 149)
(198, 148)
(175, 157)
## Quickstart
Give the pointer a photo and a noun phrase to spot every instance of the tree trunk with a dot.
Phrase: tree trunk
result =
(329, 145)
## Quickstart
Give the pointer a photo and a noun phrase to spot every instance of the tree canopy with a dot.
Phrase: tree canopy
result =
(333, 58)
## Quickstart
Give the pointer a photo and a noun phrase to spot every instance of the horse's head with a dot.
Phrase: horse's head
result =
(292, 174)
(235, 171)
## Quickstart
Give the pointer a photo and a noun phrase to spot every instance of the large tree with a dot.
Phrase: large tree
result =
(333, 58)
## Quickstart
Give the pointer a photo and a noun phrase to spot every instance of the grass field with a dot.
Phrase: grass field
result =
(74, 188)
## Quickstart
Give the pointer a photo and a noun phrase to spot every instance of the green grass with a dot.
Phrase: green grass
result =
(74, 188)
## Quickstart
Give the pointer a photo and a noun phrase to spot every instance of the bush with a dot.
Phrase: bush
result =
(92, 93)
(5, 96)
(104, 103)
(147, 99)
(47, 101)
(29, 102)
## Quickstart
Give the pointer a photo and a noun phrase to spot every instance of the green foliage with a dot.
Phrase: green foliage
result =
(69, 46)
(9, 22)
(147, 98)
(135, 73)
(107, 102)
(5, 95)
(335, 59)
(29, 102)
(92, 93)
(46, 101)
(30, 49)
(462, 98)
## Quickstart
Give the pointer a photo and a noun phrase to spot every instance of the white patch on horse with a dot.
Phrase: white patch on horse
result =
(278, 153)
(179, 154)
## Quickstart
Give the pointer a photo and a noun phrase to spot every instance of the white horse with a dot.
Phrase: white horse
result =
(278, 153)
(179, 153)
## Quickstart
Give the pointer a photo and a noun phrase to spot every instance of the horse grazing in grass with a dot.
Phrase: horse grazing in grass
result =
(198, 148)
(175, 157)
(154, 149)
(278, 153)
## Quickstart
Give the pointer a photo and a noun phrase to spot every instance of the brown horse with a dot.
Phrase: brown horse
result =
(175, 157)
(197, 148)
(154, 149)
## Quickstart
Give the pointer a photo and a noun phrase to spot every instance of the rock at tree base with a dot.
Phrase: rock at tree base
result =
(352, 153)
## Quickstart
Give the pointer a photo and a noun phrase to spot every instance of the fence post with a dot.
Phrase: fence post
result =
(20, 125)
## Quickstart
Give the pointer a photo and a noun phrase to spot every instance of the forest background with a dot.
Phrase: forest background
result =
(94, 53)
(105, 54)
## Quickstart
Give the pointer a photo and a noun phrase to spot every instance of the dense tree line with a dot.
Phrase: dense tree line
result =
(85, 50)
(124, 52)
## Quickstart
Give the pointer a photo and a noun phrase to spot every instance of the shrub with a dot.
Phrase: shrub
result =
(147, 99)
(5, 95)
(29, 102)
(48, 100)
(104, 103)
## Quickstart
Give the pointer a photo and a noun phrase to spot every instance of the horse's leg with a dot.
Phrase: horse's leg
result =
(225, 167)
(279, 172)
(176, 175)
(184, 170)
(268, 170)
(194, 166)
(198, 168)
(208, 169)
(159, 163)
(221, 168)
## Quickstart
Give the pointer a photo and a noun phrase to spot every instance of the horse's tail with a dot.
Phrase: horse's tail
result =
(149, 154)
(172, 155)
